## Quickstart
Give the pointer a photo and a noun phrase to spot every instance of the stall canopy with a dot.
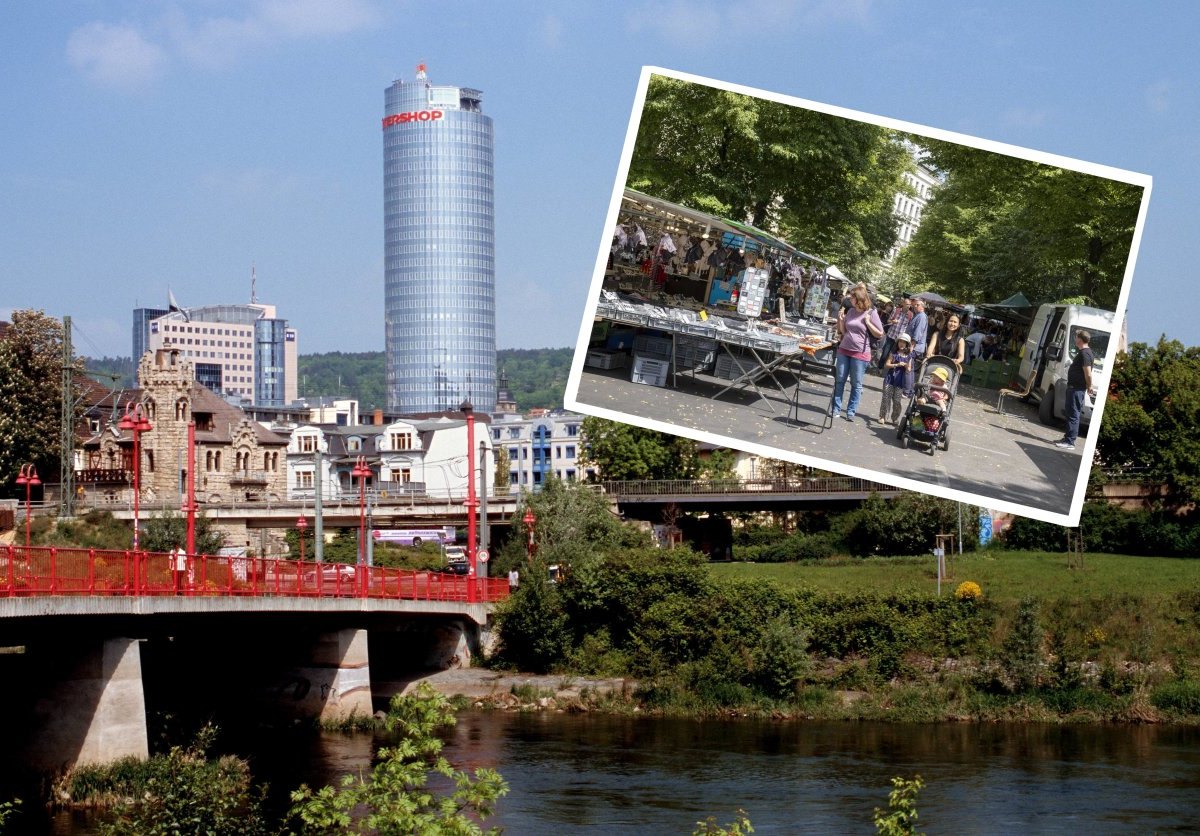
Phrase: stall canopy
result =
(1015, 308)
(639, 203)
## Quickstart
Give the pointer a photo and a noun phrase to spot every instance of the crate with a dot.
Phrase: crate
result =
(619, 338)
(599, 358)
(650, 370)
(731, 366)
(650, 345)
(692, 353)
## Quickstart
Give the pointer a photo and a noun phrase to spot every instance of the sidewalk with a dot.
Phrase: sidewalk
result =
(1007, 457)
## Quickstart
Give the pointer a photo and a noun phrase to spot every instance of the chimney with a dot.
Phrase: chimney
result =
(377, 417)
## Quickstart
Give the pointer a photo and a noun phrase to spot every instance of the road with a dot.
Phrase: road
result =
(998, 458)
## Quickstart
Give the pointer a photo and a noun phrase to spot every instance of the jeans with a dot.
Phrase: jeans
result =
(1074, 410)
(854, 369)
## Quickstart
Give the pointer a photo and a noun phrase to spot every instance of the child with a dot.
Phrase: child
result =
(936, 394)
(896, 371)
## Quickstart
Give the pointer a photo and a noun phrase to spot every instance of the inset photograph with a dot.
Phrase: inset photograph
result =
(852, 292)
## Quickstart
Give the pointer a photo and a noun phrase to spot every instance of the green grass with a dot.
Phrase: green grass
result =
(1004, 576)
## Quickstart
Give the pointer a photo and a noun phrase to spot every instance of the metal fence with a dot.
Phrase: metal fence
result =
(44, 571)
(691, 487)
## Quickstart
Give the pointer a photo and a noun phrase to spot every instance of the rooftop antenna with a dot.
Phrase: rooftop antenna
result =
(253, 282)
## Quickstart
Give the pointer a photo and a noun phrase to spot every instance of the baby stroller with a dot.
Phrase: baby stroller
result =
(927, 418)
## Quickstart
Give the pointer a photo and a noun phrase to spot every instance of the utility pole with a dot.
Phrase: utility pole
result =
(484, 528)
(66, 470)
(318, 519)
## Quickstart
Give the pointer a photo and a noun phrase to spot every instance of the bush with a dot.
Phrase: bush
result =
(905, 525)
(799, 547)
(1182, 696)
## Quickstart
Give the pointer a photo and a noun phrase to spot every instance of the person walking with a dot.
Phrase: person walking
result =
(854, 349)
(514, 580)
(897, 324)
(918, 329)
(1079, 383)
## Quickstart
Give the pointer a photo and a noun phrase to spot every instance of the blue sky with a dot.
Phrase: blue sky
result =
(150, 144)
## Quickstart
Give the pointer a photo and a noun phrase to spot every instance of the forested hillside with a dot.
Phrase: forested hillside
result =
(536, 376)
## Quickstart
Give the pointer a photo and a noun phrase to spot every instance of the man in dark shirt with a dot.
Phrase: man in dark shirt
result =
(1079, 383)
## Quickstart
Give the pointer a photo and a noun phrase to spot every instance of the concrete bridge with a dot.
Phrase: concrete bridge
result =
(91, 641)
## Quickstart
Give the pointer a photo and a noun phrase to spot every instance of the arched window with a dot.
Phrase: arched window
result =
(181, 409)
(149, 408)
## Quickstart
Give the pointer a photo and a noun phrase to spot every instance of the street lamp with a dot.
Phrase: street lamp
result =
(135, 421)
(28, 477)
(301, 527)
(361, 472)
(530, 520)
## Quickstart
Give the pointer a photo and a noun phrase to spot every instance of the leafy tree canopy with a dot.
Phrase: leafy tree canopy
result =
(998, 225)
(623, 451)
(30, 396)
(1152, 417)
(827, 183)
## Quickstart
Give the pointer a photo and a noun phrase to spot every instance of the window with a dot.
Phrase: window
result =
(496, 434)
(353, 445)
(304, 479)
(514, 432)
(150, 460)
(513, 453)
(401, 441)
(570, 475)
(557, 452)
(570, 451)
(308, 444)
(572, 429)
(401, 475)
(513, 478)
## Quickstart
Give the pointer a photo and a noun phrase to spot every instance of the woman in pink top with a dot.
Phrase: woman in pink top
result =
(857, 326)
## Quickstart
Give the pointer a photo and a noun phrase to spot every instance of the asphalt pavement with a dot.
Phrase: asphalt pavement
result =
(1007, 457)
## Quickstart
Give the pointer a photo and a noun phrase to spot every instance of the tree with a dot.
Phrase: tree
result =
(164, 532)
(827, 183)
(501, 479)
(396, 798)
(623, 451)
(900, 819)
(1151, 422)
(999, 225)
(31, 358)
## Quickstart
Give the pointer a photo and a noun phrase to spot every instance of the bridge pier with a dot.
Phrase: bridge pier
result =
(338, 677)
(93, 709)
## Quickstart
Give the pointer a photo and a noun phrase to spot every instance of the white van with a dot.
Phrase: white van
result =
(1050, 348)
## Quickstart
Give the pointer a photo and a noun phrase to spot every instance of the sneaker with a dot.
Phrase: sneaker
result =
(1064, 444)
(849, 416)
(833, 413)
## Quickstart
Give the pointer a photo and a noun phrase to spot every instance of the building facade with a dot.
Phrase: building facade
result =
(243, 352)
(237, 459)
(439, 251)
(540, 446)
(909, 208)
(426, 458)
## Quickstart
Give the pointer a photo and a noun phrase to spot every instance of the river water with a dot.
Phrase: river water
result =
(600, 774)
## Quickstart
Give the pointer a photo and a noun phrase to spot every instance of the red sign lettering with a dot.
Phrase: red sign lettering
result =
(412, 116)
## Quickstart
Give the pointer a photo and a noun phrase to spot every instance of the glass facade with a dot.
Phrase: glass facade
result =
(141, 330)
(439, 268)
(268, 362)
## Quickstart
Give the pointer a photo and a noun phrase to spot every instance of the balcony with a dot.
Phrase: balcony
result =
(248, 477)
(103, 476)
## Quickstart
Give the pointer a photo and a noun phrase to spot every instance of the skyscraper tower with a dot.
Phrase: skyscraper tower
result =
(439, 248)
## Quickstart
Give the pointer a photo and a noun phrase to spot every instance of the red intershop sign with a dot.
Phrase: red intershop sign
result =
(412, 116)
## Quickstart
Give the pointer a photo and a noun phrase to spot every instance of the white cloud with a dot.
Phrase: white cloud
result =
(128, 55)
(1023, 117)
(116, 56)
(1157, 96)
(552, 31)
(701, 23)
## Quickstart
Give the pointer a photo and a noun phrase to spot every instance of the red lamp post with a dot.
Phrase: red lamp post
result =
(135, 421)
(361, 472)
(301, 527)
(28, 477)
(530, 520)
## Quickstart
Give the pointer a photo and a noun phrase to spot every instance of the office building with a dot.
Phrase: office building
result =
(439, 268)
(141, 330)
(241, 352)
(543, 444)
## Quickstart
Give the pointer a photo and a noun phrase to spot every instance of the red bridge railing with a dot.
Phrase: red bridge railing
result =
(42, 571)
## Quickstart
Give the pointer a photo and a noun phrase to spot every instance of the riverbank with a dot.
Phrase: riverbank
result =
(945, 694)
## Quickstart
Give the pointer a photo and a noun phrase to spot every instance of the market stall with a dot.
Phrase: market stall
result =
(688, 292)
